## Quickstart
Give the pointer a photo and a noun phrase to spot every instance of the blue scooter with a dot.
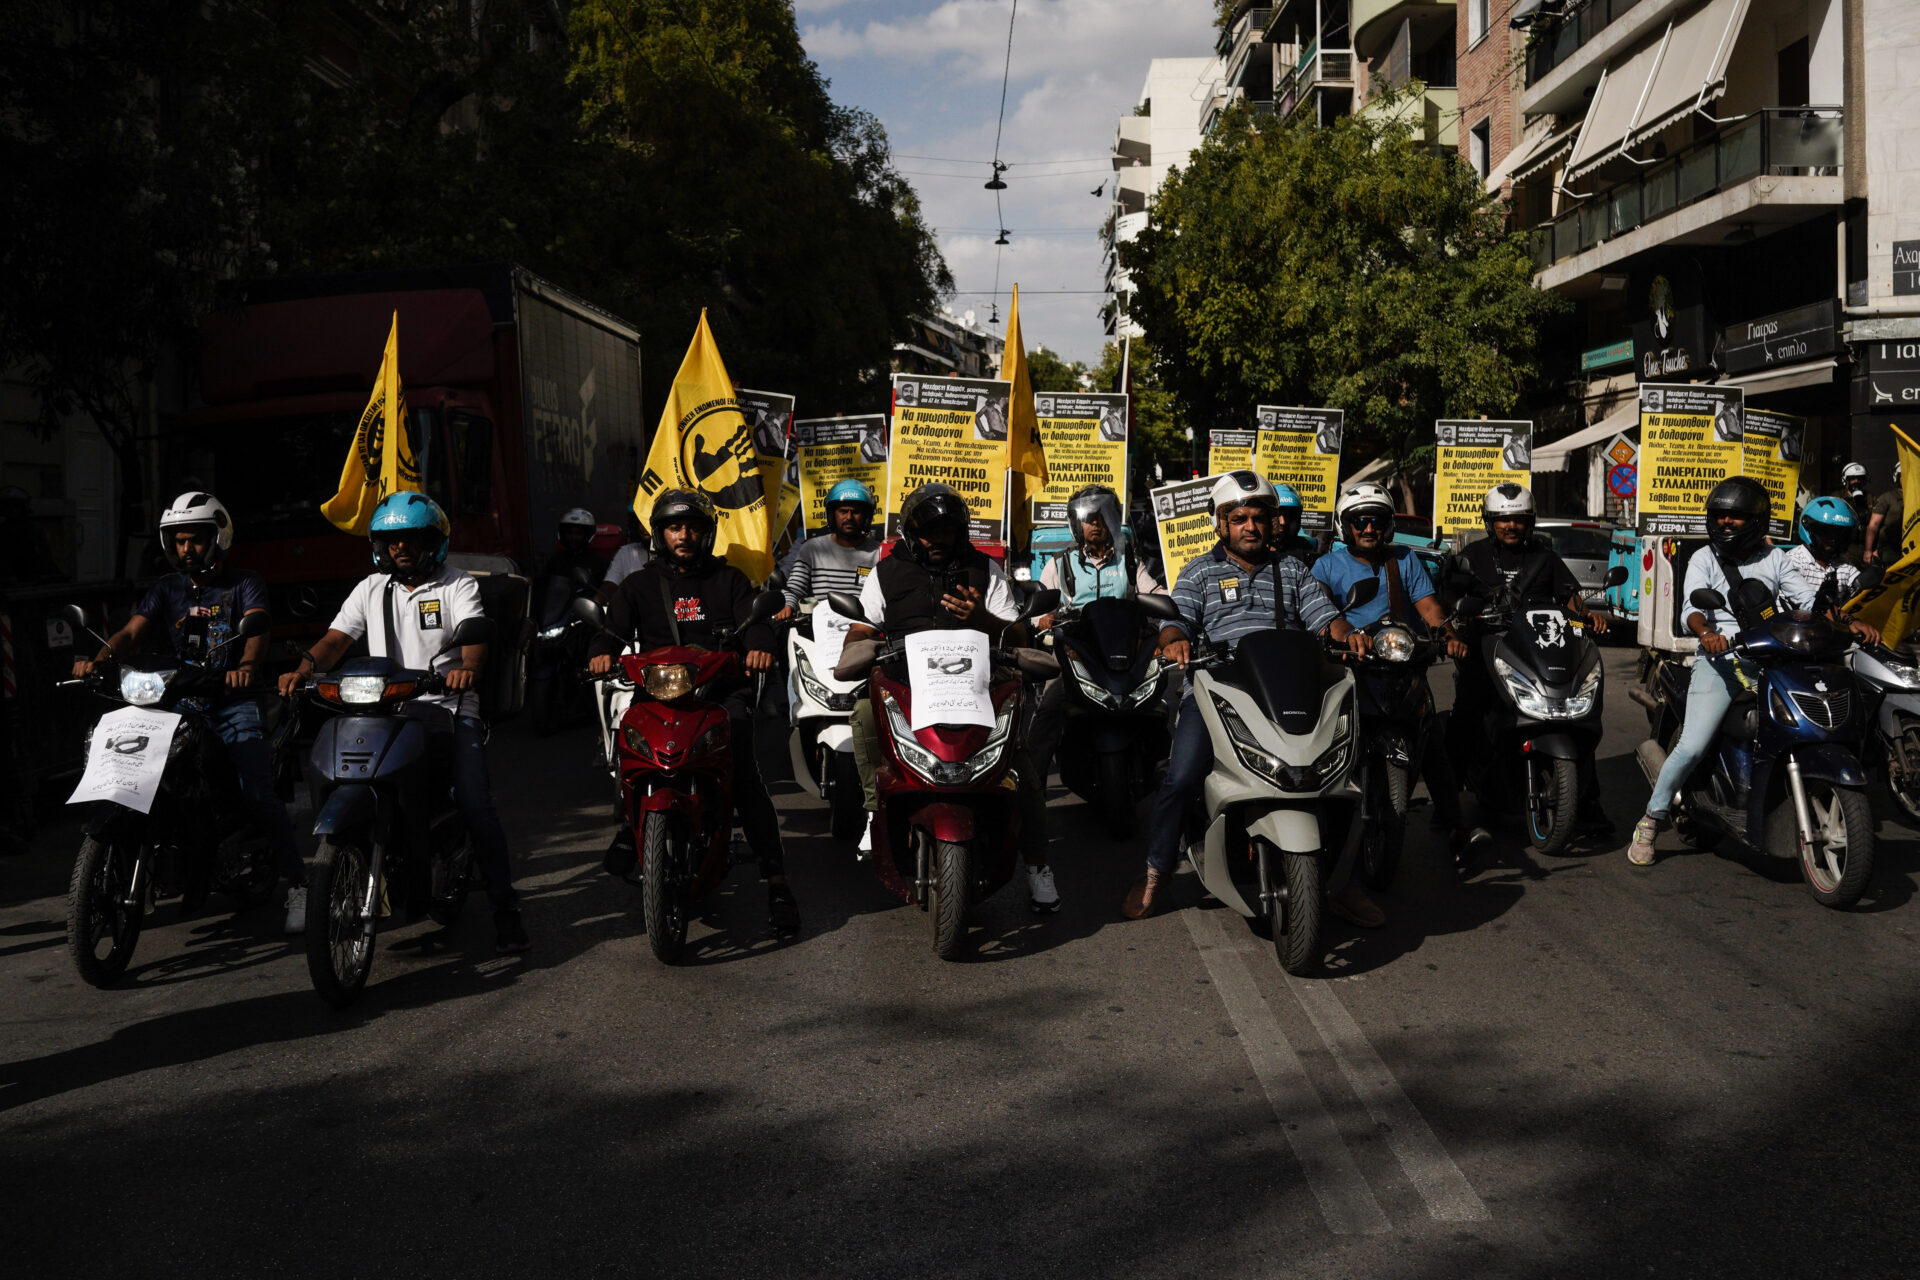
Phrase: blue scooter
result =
(382, 818)
(1784, 775)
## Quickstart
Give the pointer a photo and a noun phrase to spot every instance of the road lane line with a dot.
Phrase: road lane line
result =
(1346, 1202)
(1449, 1196)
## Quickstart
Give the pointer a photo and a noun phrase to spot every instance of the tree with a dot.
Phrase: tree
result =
(1347, 266)
(1051, 373)
(1157, 436)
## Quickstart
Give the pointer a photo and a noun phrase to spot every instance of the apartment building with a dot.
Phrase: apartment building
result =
(951, 344)
(1728, 191)
(1165, 127)
(1329, 58)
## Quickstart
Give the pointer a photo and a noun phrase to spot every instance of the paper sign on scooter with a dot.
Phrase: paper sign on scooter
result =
(128, 755)
(829, 636)
(947, 671)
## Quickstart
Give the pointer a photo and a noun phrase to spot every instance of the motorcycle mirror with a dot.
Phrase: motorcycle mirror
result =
(470, 631)
(1361, 593)
(1470, 605)
(1045, 600)
(847, 605)
(1870, 577)
(1706, 599)
(1158, 607)
(776, 582)
(588, 610)
(1617, 575)
(74, 614)
(765, 605)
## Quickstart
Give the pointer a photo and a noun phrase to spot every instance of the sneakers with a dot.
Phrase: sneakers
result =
(1640, 852)
(1041, 889)
(297, 908)
(509, 934)
(1144, 898)
(1467, 844)
(866, 838)
(782, 911)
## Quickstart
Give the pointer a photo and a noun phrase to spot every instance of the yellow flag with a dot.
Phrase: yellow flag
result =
(1894, 605)
(1023, 426)
(703, 442)
(380, 460)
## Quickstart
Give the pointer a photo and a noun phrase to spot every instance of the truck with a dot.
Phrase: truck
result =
(522, 400)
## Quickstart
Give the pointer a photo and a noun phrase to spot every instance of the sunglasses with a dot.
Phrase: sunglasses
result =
(1370, 522)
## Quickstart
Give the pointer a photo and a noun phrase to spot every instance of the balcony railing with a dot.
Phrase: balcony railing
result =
(1779, 141)
(1237, 48)
(1554, 42)
(1316, 66)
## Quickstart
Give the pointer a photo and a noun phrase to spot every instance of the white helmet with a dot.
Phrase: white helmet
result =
(1853, 471)
(1506, 499)
(196, 509)
(580, 518)
(1364, 496)
(1242, 489)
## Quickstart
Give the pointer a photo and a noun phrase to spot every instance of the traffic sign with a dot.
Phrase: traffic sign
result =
(1621, 480)
(1621, 451)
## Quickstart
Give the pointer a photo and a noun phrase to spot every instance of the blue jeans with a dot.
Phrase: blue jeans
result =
(238, 724)
(1187, 767)
(1709, 694)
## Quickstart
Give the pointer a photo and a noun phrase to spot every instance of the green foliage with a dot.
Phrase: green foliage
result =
(1051, 373)
(1348, 266)
(1157, 435)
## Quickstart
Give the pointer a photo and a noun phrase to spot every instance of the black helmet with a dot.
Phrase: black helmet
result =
(930, 507)
(675, 506)
(1739, 495)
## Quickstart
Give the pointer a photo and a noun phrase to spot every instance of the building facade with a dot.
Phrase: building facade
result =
(1165, 127)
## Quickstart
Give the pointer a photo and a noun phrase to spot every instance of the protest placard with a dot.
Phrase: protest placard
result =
(1301, 448)
(951, 431)
(1690, 437)
(1183, 513)
(1770, 453)
(1471, 456)
(830, 450)
(1229, 450)
(1086, 443)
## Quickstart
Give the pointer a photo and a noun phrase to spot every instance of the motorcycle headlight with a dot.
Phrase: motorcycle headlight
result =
(667, 681)
(1584, 697)
(1528, 698)
(712, 740)
(1148, 687)
(803, 671)
(636, 742)
(1782, 711)
(1088, 685)
(943, 772)
(144, 688)
(1249, 748)
(1023, 573)
(1901, 674)
(554, 632)
(361, 690)
(1393, 644)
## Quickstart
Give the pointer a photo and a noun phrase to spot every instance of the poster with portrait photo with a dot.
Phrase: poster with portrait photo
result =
(829, 450)
(951, 431)
(1075, 427)
(1300, 447)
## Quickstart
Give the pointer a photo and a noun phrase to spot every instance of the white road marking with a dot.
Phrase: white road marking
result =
(1449, 1196)
(1346, 1202)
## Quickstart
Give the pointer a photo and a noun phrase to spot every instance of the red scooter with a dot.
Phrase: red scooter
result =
(947, 833)
(676, 777)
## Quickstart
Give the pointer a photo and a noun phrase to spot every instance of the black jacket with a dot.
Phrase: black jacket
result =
(710, 596)
(913, 590)
(1534, 572)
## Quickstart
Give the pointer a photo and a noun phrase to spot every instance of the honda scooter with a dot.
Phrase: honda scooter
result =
(947, 832)
(819, 706)
(1116, 713)
(1784, 776)
(1891, 680)
(385, 821)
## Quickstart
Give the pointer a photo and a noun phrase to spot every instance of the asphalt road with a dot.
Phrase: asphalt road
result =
(1565, 1067)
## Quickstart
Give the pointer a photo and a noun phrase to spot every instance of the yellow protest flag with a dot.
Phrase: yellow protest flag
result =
(1023, 425)
(380, 459)
(703, 442)
(1894, 605)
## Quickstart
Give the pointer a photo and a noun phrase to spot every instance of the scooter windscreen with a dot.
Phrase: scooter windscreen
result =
(1546, 643)
(1287, 672)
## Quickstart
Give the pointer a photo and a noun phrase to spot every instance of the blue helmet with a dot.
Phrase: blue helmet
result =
(1285, 497)
(1827, 525)
(850, 491)
(408, 512)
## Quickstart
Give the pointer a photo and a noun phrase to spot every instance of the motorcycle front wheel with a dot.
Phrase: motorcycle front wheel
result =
(339, 942)
(1839, 862)
(1553, 794)
(1388, 789)
(1294, 917)
(662, 895)
(98, 913)
(1116, 799)
(952, 875)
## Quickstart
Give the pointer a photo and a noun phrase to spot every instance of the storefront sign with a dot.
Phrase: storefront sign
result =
(1301, 448)
(1906, 267)
(1690, 438)
(1887, 377)
(1472, 456)
(1787, 337)
(1673, 344)
(1611, 354)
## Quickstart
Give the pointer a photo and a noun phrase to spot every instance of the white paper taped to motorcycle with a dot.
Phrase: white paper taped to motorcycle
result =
(948, 673)
(829, 635)
(127, 757)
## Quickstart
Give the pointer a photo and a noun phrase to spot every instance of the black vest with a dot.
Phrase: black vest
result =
(913, 590)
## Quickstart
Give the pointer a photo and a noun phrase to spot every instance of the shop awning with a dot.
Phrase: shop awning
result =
(1646, 90)
(1553, 457)
(1532, 155)
(1814, 373)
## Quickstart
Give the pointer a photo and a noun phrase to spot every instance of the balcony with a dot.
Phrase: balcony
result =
(1432, 110)
(1316, 67)
(1376, 22)
(1131, 187)
(1237, 44)
(1132, 141)
(1224, 96)
(1554, 43)
(1776, 167)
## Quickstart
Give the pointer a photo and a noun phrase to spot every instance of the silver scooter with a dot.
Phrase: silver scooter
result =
(1280, 802)
(1893, 678)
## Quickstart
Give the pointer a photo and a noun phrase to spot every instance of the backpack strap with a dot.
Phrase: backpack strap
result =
(386, 617)
(666, 602)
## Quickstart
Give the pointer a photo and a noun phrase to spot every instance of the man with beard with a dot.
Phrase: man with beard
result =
(841, 561)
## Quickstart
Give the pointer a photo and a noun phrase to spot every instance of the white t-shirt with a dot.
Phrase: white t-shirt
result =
(423, 617)
(1769, 566)
(998, 600)
(1811, 575)
(628, 559)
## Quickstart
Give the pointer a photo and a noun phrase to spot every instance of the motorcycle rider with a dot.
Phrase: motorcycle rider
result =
(685, 596)
(404, 611)
(575, 558)
(1827, 528)
(1287, 538)
(1238, 588)
(1854, 492)
(626, 560)
(1094, 568)
(195, 535)
(840, 562)
(935, 578)
(1737, 551)
(1365, 516)
(1510, 557)
(1886, 524)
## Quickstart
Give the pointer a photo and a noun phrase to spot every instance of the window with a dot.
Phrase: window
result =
(1479, 147)
(1477, 20)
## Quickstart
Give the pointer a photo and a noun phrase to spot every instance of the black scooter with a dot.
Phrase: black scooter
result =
(1549, 688)
(1116, 711)
(1397, 725)
(557, 691)
(383, 817)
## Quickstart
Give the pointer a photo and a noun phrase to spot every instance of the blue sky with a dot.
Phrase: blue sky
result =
(930, 70)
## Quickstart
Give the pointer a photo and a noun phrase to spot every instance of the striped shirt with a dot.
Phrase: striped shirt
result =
(820, 565)
(1230, 601)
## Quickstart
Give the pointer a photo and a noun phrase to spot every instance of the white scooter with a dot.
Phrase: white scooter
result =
(820, 707)
(612, 695)
(1280, 801)
(1894, 678)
